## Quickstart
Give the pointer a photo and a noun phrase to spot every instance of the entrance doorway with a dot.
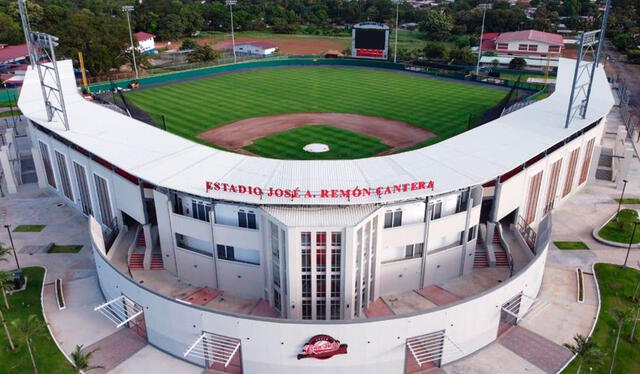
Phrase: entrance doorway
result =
(509, 314)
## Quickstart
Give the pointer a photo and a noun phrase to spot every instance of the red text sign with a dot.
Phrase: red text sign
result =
(297, 193)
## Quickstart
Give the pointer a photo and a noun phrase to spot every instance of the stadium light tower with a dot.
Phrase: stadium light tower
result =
(128, 9)
(395, 48)
(231, 3)
(484, 13)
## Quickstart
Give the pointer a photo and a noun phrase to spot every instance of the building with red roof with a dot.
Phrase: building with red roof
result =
(10, 54)
(523, 43)
(146, 42)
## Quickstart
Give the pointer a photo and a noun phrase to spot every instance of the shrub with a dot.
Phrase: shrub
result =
(517, 63)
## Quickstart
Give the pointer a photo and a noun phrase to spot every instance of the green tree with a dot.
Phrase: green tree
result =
(434, 50)
(10, 31)
(170, 27)
(6, 285)
(436, 25)
(191, 20)
(82, 360)
(517, 63)
(6, 330)
(586, 351)
(203, 53)
(620, 318)
(29, 329)
(462, 56)
(188, 44)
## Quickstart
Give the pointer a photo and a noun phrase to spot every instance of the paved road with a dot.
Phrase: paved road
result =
(617, 67)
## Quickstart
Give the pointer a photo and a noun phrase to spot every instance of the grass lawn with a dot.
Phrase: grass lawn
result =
(8, 113)
(29, 228)
(342, 144)
(628, 200)
(442, 107)
(616, 288)
(612, 230)
(48, 358)
(65, 249)
(571, 245)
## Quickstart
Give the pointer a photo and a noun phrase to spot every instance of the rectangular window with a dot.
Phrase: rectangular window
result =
(571, 171)
(200, 210)
(553, 185)
(532, 203)
(306, 259)
(503, 46)
(104, 201)
(461, 203)
(83, 188)
(277, 300)
(306, 285)
(276, 273)
(335, 285)
(335, 309)
(321, 239)
(585, 162)
(48, 169)
(226, 252)
(64, 175)
(275, 249)
(393, 218)
(336, 258)
(554, 48)
(321, 285)
(522, 47)
(247, 219)
(306, 309)
(321, 309)
(305, 239)
(472, 233)
(321, 259)
(436, 210)
(413, 250)
(533, 47)
(336, 239)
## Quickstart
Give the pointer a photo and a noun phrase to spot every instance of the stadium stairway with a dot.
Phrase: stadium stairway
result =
(156, 261)
(481, 260)
(136, 261)
(501, 255)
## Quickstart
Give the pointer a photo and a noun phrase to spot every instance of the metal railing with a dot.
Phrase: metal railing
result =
(528, 233)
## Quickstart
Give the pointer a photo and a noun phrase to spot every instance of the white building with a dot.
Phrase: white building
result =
(312, 247)
(256, 48)
(146, 42)
(524, 43)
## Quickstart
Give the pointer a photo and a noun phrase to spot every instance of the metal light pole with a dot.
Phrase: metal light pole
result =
(8, 227)
(621, 196)
(484, 13)
(633, 233)
(231, 3)
(128, 9)
(395, 48)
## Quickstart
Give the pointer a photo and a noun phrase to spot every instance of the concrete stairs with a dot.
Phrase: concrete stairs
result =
(156, 261)
(502, 259)
(136, 261)
(481, 260)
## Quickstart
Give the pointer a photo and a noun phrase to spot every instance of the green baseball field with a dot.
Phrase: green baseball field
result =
(192, 108)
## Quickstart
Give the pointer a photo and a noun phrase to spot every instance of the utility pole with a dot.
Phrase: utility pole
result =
(128, 9)
(484, 13)
(231, 3)
(395, 48)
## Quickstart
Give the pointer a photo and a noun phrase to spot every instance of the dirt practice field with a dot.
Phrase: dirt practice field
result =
(239, 134)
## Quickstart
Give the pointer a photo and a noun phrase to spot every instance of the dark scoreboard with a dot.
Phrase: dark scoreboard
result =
(370, 40)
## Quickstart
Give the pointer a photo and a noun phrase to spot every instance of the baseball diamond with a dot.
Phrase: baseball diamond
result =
(219, 110)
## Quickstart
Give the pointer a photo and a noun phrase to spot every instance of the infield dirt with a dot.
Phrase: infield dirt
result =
(236, 135)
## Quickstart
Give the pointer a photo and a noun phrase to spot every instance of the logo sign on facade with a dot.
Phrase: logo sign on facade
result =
(322, 347)
(297, 193)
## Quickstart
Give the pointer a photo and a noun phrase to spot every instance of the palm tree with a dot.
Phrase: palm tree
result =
(620, 317)
(5, 285)
(81, 360)
(29, 329)
(586, 350)
(4, 252)
(6, 330)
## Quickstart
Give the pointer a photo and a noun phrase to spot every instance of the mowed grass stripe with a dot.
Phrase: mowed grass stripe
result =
(195, 106)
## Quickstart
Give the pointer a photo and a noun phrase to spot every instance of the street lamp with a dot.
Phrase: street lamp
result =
(395, 48)
(128, 9)
(484, 13)
(633, 233)
(8, 227)
(621, 196)
(231, 3)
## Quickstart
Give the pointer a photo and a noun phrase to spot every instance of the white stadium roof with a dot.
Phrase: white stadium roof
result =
(167, 160)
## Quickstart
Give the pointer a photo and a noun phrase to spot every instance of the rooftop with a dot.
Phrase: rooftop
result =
(9, 53)
(141, 35)
(531, 35)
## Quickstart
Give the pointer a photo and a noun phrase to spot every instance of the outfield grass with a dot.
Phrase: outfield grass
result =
(29, 228)
(48, 357)
(343, 144)
(616, 232)
(616, 289)
(570, 245)
(442, 107)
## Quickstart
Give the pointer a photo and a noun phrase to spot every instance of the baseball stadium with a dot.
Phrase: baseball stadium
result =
(317, 215)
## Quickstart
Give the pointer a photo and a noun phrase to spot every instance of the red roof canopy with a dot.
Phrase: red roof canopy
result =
(140, 36)
(13, 52)
(531, 35)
